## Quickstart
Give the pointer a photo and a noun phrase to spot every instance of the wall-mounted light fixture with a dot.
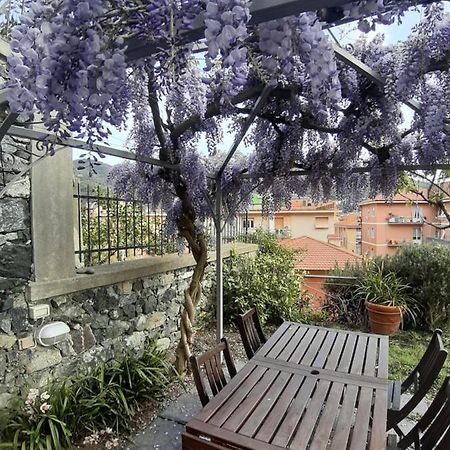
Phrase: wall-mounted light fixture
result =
(52, 333)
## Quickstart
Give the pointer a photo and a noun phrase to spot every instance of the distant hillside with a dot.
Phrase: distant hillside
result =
(99, 178)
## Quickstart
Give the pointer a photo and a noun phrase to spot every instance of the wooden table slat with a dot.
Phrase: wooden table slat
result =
(272, 423)
(289, 349)
(371, 357)
(303, 346)
(345, 419)
(251, 401)
(347, 354)
(361, 427)
(233, 385)
(378, 432)
(282, 342)
(288, 426)
(327, 346)
(234, 400)
(258, 416)
(358, 358)
(320, 373)
(327, 419)
(314, 348)
(383, 358)
(272, 341)
(200, 428)
(336, 352)
(312, 414)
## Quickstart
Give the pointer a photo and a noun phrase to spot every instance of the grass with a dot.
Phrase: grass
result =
(405, 350)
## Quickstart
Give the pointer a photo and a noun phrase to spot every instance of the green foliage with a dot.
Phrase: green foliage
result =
(107, 398)
(110, 395)
(426, 269)
(343, 303)
(269, 279)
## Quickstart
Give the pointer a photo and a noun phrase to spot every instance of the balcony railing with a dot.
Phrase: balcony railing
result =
(400, 220)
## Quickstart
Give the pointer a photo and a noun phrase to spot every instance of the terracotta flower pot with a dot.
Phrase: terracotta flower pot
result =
(384, 319)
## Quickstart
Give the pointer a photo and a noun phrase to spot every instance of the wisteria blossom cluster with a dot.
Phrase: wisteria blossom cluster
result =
(321, 118)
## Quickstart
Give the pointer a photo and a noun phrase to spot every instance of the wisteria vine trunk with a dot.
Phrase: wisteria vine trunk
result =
(186, 224)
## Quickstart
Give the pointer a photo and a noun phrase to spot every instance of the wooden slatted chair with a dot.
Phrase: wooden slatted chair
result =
(211, 363)
(251, 332)
(432, 431)
(421, 379)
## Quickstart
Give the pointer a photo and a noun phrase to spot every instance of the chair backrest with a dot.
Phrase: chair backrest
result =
(211, 364)
(421, 378)
(251, 332)
(428, 368)
(432, 431)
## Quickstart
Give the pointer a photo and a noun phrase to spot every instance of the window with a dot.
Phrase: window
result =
(371, 233)
(321, 222)
(417, 214)
(417, 235)
(249, 223)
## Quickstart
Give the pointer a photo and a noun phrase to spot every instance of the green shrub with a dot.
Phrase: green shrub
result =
(343, 303)
(269, 279)
(426, 268)
(105, 399)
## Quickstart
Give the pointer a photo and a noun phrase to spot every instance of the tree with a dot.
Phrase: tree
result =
(319, 115)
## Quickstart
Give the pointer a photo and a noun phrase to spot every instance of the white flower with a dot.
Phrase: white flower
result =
(45, 407)
(45, 396)
(112, 443)
(32, 396)
(109, 430)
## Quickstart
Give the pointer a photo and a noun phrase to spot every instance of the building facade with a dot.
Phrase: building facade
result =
(347, 231)
(302, 218)
(388, 224)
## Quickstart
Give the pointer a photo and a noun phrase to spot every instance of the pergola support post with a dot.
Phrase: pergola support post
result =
(219, 260)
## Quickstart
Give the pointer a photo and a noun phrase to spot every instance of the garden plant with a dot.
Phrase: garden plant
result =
(99, 404)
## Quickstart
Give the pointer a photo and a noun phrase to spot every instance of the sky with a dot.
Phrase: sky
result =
(345, 33)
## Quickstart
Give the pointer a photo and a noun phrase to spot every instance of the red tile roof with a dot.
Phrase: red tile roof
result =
(318, 255)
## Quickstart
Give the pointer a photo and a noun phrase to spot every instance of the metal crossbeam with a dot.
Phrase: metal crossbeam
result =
(261, 11)
(347, 58)
(251, 117)
(34, 135)
(366, 169)
(6, 124)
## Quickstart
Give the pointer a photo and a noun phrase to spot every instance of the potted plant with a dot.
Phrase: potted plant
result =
(386, 298)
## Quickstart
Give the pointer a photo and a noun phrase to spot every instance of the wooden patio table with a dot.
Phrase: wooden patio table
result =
(307, 388)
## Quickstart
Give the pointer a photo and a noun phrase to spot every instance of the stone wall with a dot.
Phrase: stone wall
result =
(15, 249)
(104, 322)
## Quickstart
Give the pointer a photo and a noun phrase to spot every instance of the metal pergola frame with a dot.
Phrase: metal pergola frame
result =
(261, 11)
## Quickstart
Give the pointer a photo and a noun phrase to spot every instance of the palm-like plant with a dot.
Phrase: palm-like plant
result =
(386, 289)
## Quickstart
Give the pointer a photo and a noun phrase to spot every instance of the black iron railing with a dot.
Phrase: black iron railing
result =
(112, 229)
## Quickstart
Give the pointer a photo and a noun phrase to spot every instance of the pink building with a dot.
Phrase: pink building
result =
(387, 224)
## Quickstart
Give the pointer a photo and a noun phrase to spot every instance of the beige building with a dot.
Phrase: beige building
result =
(302, 219)
(348, 232)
